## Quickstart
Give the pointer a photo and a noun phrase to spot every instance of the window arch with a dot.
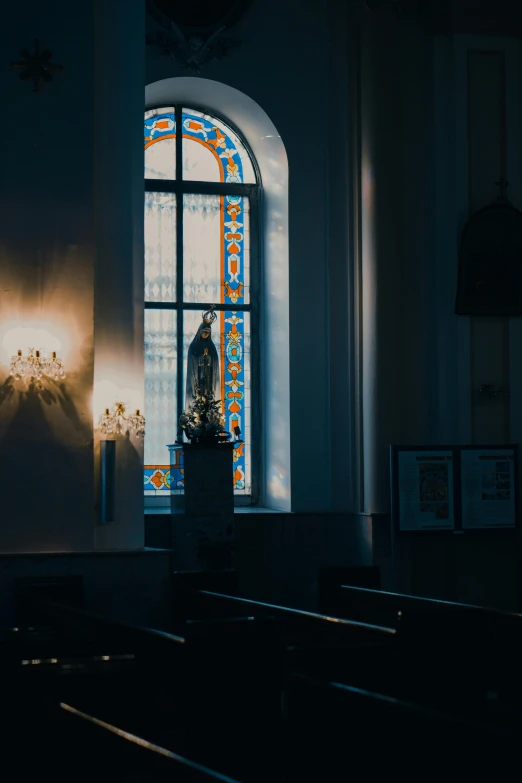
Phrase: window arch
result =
(201, 202)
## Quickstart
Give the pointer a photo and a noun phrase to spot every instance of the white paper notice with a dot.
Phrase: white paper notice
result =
(425, 490)
(488, 488)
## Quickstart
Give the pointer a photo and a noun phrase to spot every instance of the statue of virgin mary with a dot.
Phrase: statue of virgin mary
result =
(203, 362)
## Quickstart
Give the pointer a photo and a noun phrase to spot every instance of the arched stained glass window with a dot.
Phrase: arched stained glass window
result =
(198, 249)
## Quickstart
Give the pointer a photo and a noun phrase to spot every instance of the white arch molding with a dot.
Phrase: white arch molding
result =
(268, 149)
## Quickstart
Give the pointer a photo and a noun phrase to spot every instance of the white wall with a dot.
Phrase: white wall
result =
(46, 281)
(55, 223)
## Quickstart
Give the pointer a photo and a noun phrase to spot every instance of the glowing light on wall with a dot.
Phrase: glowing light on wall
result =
(115, 421)
(45, 339)
(32, 352)
(107, 393)
(33, 365)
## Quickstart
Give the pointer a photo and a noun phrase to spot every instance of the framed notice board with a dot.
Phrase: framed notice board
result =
(454, 488)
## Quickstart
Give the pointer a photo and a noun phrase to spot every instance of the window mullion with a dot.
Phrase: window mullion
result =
(194, 186)
(199, 306)
(179, 254)
(219, 188)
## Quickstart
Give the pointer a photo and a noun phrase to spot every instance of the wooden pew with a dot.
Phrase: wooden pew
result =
(397, 609)
(466, 650)
(338, 732)
(431, 623)
(70, 744)
(467, 690)
(294, 624)
(359, 652)
(435, 668)
(202, 694)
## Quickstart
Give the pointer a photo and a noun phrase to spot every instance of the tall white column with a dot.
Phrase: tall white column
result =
(119, 48)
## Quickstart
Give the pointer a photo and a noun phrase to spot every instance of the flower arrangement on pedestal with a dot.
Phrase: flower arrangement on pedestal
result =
(203, 422)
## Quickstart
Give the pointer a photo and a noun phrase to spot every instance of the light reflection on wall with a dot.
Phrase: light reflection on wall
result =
(367, 186)
(42, 337)
(106, 393)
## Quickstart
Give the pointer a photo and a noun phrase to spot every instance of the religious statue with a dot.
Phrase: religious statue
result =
(202, 361)
(202, 420)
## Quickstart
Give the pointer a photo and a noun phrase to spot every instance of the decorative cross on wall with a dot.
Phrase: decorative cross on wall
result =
(36, 67)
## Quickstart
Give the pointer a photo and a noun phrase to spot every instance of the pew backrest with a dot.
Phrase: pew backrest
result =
(426, 614)
(335, 726)
(130, 756)
(220, 603)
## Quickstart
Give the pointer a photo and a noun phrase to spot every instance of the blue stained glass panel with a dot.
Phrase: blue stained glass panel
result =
(237, 391)
(220, 142)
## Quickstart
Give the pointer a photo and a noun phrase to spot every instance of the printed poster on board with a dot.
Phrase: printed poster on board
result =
(488, 488)
(425, 485)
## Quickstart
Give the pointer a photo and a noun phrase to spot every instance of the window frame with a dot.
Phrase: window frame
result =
(253, 192)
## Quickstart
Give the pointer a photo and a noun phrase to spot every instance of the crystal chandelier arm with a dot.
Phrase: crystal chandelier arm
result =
(112, 422)
(35, 366)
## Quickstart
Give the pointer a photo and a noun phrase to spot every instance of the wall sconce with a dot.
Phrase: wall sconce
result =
(115, 422)
(35, 366)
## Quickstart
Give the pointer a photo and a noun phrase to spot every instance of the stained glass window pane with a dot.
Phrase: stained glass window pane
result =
(160, 247)
(202, 247)
(200, 162)
(231, 336)
(237, 393)
(160, 160)
(236, 250)
(234, 162)
(160, 398)
(216, 246)
(216, 268)
(160, 144)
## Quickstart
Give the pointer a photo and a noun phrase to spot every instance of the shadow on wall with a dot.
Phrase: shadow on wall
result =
(44, 461)
(33, 395)
(32, 400)
(6, 390)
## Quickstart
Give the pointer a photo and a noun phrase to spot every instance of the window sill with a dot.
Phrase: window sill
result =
(237, 510)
